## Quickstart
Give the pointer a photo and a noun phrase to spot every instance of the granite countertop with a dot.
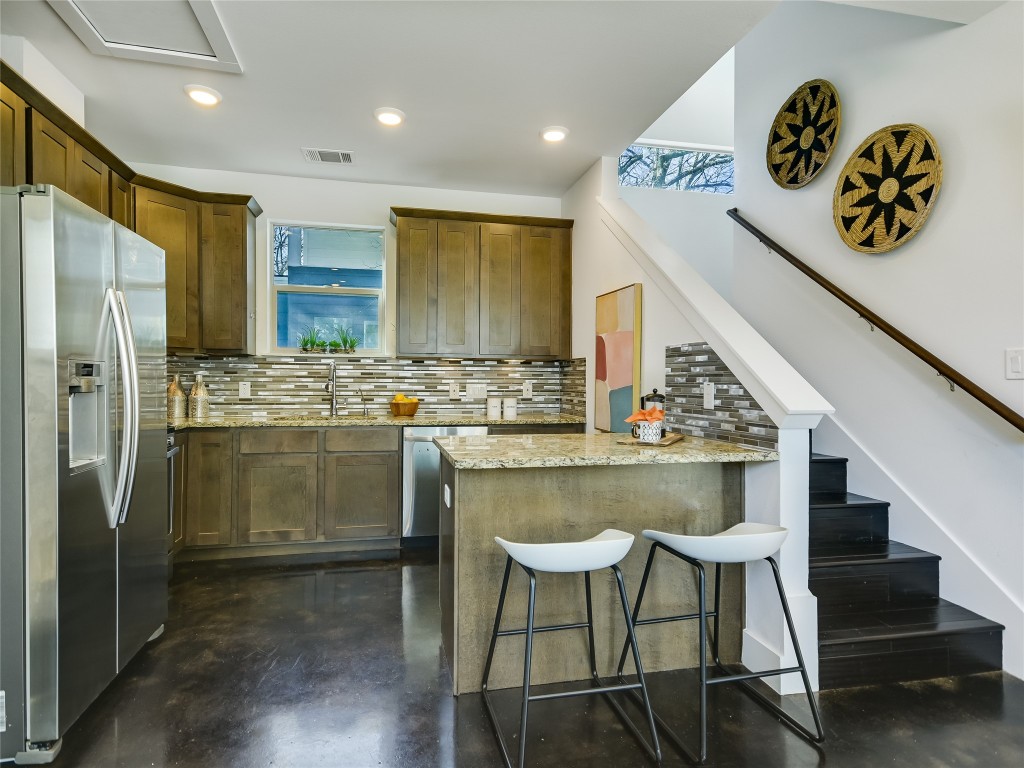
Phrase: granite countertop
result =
(592, 450)
(378, 420)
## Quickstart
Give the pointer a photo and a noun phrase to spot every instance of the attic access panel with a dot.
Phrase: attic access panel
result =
(185, 33)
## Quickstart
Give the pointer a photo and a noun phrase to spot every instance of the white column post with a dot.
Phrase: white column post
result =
(777, 493)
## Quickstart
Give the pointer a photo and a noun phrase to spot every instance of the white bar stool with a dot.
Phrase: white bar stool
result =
(743, 543)
(602, 551)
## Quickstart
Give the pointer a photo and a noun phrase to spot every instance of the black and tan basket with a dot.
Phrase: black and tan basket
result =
(887, 188)
(803, 134)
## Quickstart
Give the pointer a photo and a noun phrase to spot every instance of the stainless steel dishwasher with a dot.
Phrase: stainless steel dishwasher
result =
(421, 481)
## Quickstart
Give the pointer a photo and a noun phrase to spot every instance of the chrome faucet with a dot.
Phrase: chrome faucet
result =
(332, 387)
(362, 399)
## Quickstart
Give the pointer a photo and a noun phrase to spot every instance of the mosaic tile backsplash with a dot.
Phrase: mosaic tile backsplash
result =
(736, 418)
(291, 386)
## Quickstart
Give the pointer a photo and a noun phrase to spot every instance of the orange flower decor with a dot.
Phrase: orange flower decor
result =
(649, 415)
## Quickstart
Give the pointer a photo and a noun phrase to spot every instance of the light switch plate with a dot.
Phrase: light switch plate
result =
(453, 391)
(1015, 363)
(527, 390)
(245, 389)
(709, 394)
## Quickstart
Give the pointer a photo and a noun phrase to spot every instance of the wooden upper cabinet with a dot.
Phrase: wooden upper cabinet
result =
(458, 291)
(12, 138)
(172, 223)
(545, 276)
(417, 286)
(223, 264)
(51, 152)
(121, 207)
(500, 289)
(483, 285)
(57, 159)
(89, 179)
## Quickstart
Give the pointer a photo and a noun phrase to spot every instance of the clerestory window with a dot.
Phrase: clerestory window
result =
(662, 167)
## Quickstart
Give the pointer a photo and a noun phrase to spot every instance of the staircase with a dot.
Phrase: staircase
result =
(880, 617)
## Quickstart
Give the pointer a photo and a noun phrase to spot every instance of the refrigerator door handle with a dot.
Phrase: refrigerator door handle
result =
(135, 404)
(123, 466)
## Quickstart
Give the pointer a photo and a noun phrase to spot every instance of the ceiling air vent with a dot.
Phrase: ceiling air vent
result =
(335, 156)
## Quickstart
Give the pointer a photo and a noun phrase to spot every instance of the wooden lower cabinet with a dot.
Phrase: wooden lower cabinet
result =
(276, 498)
(362, 495)
(211, 486)
(266, 486)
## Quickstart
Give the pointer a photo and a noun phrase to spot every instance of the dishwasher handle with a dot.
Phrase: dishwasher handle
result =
(419, 438)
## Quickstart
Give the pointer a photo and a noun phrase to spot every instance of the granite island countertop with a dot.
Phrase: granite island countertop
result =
(373, 420)
(588, 450)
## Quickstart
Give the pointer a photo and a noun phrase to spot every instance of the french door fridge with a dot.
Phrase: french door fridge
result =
(83, 489)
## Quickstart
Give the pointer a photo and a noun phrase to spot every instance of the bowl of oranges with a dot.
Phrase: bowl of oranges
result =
(404, 406)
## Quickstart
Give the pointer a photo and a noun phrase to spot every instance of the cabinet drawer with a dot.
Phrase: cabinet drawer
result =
(363, 439)
(274, 440)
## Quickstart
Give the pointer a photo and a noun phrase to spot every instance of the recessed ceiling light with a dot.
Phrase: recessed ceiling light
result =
(389, 116)
(554, 133)
(200, 94)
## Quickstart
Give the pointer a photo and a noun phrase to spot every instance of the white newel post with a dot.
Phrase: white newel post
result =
(777, 493)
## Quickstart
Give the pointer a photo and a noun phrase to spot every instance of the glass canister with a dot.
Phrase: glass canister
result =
(199, 399)
(175, 399)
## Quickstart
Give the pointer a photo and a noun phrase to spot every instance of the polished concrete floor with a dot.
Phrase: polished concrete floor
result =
(339, 665)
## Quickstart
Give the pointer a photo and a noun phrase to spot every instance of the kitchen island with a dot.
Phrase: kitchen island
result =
(538, 488)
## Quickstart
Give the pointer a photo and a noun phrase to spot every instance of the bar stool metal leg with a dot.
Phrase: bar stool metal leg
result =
(527, 664)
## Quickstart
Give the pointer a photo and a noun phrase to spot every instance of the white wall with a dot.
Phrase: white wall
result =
(704, 114)
(694, 224)
(953, 470)
(600, 263)
(323, 201)
(28, 62)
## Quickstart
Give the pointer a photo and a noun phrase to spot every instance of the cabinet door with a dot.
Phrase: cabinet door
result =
(210, 486)
(276, 498)
(179, 487)
(172, 223)
(500, 287)
(12, 138)
(362, 495)
(417, 286)
(458, 291)
(52, 151)
(121, 201)
(223, 276)
(546, 292)
(89, 179)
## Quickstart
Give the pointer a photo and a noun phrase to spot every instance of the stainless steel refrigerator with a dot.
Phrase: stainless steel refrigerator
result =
(83, 478)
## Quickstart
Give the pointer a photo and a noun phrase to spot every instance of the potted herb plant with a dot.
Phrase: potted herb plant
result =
(347, 340)
(310, 340)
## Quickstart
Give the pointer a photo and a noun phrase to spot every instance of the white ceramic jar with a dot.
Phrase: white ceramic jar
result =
(509, 408)
(494, 408)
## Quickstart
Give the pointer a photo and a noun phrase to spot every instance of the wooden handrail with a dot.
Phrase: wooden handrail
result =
(947, 372)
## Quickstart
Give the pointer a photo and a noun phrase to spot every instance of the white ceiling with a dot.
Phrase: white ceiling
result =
(478, 81)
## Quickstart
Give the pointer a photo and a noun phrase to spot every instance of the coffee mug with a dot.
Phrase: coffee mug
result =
(647, 431)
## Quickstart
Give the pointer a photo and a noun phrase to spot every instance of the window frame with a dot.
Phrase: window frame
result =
(274, 289)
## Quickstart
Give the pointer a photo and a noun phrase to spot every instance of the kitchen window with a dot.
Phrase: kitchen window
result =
(676, 167)
(327, 279)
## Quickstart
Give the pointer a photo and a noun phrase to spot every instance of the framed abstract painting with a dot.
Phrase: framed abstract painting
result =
(617, 358)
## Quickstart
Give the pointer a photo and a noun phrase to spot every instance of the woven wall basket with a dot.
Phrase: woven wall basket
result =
(887, 188)
(803, 134)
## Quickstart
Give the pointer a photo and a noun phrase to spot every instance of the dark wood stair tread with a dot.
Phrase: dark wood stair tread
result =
(824, 457)
(870, 553)
(830, 500)
(900, 623)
